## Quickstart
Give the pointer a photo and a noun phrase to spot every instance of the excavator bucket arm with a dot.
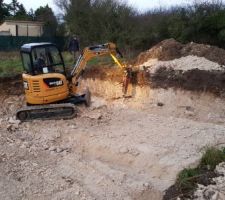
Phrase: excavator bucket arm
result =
(97, 51)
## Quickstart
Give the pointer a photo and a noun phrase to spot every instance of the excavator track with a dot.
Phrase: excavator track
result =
(47, 112)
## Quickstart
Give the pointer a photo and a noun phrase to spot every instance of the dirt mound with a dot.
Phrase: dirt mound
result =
(185, 63)
(171, 49)
(193, 67)
(211, 53)
(189, 73)
(165, 50)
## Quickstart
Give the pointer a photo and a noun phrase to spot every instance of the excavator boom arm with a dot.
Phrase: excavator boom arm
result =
(95, 51)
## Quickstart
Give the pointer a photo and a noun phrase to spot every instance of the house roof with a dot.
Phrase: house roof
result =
(24, 21)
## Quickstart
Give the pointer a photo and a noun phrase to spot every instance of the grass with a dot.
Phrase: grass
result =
(188, 178)
(68, 59)
(211, 158)
(11, 65)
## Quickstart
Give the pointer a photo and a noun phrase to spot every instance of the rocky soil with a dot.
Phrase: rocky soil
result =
(119, 148)
(213, 191)
(113, 150)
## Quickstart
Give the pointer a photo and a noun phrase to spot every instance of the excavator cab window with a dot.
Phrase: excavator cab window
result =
(42, 59)
(26, 62)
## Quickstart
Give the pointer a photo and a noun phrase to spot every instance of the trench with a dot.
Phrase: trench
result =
(202, 106)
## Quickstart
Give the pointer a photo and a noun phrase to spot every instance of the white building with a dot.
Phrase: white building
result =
(21, 28)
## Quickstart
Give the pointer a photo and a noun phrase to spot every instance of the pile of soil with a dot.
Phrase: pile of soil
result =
(211, 53)
(171, 49)
(165, 50)
(193, 67)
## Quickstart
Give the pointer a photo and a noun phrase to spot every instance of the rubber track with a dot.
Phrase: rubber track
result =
(46, 112)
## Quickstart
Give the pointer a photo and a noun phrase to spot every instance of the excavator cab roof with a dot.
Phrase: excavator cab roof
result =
(28, 47)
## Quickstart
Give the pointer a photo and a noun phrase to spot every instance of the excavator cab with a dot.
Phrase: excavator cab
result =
(42, 58)
(44, 76)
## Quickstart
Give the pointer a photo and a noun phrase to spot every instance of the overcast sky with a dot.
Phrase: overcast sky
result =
(140, 4)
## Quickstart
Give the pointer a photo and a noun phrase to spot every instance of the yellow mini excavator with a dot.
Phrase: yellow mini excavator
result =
(51, 93)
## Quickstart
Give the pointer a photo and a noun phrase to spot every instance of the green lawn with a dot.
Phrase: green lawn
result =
(11, 65)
